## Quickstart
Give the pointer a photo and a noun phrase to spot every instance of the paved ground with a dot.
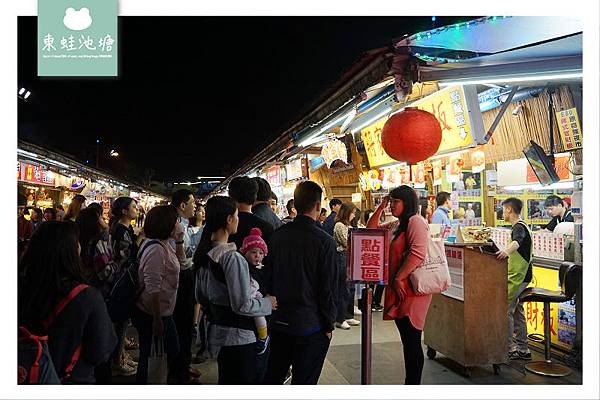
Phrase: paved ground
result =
(342, 366)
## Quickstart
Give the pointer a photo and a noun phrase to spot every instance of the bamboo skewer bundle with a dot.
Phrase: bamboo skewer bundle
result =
(514, 132)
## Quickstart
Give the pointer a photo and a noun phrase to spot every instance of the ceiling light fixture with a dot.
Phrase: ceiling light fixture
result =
(512, 78)
(371, 120)
(306, 142)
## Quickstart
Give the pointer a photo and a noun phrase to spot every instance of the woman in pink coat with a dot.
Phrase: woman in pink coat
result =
(407, 250)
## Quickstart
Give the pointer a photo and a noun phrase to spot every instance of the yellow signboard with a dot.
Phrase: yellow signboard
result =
(371, 137)
(570, 130)
(449, 106)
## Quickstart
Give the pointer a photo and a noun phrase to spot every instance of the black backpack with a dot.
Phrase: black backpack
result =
(126, 289)
(35, 366)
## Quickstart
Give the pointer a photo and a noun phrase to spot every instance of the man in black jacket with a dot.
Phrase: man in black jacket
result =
(303, 277)
(243, 190)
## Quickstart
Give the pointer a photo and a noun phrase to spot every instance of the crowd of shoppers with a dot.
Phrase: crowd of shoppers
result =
(263, 295)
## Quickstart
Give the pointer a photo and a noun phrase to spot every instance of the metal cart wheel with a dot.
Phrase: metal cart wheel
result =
(431, 353)
(496, 368)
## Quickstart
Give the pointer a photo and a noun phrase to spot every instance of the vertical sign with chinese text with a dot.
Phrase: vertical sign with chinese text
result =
(456, 265)
(274, 176)
(368, 255)
(570, 130)
(77, 38)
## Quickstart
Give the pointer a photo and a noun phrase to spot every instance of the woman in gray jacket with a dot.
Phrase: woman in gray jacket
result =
(223, 286)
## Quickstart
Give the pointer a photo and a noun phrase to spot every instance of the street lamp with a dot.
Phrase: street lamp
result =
(97, 153)
(114, 153)
(24, 93)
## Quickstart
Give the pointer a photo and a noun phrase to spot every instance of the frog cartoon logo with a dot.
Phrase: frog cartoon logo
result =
(77, 20)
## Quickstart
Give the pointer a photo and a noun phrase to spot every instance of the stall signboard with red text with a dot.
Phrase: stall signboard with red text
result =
(371, 136)
(274, 176)
(32, 173)
(368, 255)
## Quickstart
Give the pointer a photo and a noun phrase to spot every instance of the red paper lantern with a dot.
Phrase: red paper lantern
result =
(411, 135)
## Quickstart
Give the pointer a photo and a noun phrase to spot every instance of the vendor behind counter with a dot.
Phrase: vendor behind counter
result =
(556, 208)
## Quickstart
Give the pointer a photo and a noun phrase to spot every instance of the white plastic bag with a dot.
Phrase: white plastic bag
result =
(157, 363)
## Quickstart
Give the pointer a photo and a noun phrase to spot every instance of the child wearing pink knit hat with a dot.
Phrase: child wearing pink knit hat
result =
(254, 250)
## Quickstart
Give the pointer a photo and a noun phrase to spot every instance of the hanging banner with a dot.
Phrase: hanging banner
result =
(418, 175)
(370, 180)
(477, 161)
(405, 174)
(333, 150)
(437, 172)
(454, 169)
(395, 176)
(457, 110)
(297, 169)
(371, 137)
(570, 130)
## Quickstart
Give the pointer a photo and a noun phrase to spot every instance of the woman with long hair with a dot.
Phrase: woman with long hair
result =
(223, 285)
(96, 249)
(125, 241)
(346, 290)
(125, 247)
(100, 268)
(426, 209)
(48, 272)
(75, 207)
(407, 250)
(159, 276)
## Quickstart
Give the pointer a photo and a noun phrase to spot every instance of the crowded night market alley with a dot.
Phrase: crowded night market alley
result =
(400, 204)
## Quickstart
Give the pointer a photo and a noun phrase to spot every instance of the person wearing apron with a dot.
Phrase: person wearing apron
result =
(520, 255)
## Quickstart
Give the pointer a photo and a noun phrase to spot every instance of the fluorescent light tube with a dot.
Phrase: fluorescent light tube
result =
(509, 79)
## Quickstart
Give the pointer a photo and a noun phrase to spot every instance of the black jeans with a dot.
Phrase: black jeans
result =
(342, 289)
(413, 352)
(306, 355)
(378, 294)
(262, 362)
(143, 324)
(237, 364)
(350, 293)
(183, 315)
(103, 372)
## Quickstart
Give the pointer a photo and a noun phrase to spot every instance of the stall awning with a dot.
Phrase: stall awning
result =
(490, 35)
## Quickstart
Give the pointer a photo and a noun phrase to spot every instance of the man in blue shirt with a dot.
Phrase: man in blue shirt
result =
(329, 223)
(440, 216)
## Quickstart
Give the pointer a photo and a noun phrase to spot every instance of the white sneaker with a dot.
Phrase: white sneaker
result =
(344, 325)
(352, 322)
(357, 311)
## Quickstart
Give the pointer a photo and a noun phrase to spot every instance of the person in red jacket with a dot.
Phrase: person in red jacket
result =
(408, 248)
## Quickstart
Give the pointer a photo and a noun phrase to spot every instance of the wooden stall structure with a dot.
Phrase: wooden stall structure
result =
(468, 323)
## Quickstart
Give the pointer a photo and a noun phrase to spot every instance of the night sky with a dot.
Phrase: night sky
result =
(196, 95)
